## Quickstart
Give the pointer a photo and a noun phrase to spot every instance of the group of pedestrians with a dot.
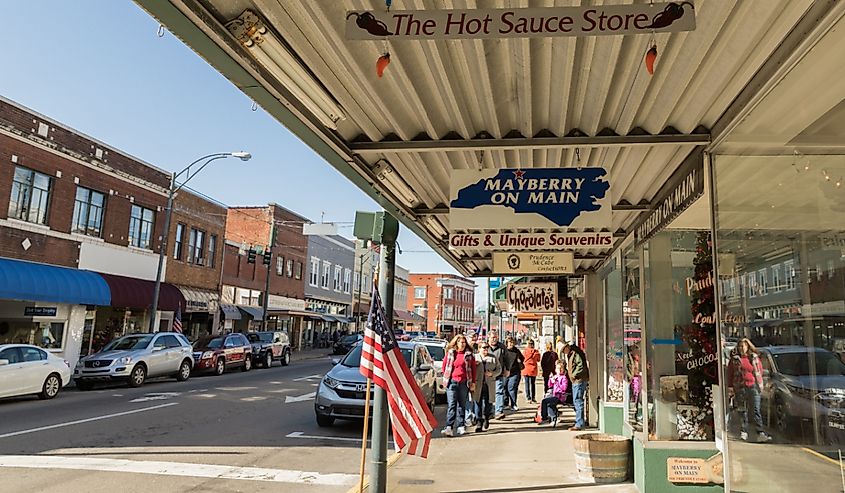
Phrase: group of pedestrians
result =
(482, 380)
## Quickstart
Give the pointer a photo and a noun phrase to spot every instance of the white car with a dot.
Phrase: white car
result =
(26, 369)
(437, 350)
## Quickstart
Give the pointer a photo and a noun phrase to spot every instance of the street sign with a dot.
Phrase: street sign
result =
(518, 263)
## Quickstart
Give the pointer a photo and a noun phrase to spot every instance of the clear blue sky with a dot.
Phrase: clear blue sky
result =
(99, 67)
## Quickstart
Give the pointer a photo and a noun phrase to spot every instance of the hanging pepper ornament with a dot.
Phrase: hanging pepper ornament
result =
(650, 58)
(382, 63)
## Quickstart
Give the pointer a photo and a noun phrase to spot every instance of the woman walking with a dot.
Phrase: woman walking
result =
(487, 368)
(459, 380)
(547, 365)
(559, 387)
(529, 372)
(745, 379)
(513, 362)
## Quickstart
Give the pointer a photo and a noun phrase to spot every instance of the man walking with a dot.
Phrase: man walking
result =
(497, 350)
(579, 375)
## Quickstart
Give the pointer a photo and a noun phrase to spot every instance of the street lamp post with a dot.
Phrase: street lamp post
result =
(243, 156)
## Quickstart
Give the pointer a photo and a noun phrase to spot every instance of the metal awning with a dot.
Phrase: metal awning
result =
(129, 292)
(30, 281)
(256, 312)
(230, 312)
(455, 104)
(199, 300)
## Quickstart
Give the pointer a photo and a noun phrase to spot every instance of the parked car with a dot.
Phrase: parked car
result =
(135, 358)
(345, 343)
(219, 353)
(268, 347)
(804, 384)
(26, 369)
(342, 390)
(437, 350)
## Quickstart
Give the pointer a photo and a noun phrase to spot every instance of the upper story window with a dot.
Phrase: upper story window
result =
(30, 196)
(289, 267)
(212, 249)
(338, 270)
(141, 226)
(315, 271)
(280, 265)
(324, 279)
(88, 212)
(419, 292)
(789, 273)
(447, 293)
(347, 280)
(298, 270)
(179, 241)
(196, 247)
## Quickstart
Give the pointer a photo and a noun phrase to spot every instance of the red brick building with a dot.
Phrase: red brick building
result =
(243, 282)
(446, 301)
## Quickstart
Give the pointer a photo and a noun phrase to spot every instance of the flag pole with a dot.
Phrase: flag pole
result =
(364, 440)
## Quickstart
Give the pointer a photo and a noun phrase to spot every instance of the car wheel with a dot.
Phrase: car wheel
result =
(51, 387)
(138, 376)
(220, 368)
(286, 358)
(247, 363)
(324, 421)
(268, 359)
(782, 418)
(184, 371)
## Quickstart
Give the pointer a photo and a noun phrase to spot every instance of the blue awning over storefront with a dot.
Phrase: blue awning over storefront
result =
(30, 281)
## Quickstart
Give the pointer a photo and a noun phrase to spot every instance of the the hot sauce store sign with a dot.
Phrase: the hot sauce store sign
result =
(532, 297)
(516, 23)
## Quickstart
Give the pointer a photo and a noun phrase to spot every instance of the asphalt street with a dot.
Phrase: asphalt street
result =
(256, 428)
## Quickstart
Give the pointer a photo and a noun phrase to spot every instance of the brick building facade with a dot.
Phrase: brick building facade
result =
(446, 301)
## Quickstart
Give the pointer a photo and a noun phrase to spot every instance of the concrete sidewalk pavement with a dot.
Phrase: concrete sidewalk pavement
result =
(514, 455)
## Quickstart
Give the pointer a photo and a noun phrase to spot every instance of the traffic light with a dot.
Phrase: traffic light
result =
(267, 257)
(250, 256)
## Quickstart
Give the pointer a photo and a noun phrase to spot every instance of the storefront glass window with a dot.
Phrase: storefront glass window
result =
(615, 336)
(632, 338)
(681, 341)
(787, 211)
(49, 335)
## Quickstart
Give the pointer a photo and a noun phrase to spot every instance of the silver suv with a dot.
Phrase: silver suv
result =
(134, 358)
(342, 391)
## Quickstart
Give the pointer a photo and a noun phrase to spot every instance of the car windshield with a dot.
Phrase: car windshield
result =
(798, 363)
(129, 343)
(349, 339)
(210, 342)
(437, 352)
(260, 337)
(353, 358)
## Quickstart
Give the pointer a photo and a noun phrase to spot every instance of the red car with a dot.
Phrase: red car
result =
(219, 353)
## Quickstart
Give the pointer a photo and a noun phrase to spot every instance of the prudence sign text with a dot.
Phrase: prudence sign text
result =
(640, 18)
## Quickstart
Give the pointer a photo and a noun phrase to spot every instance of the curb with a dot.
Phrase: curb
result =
(309, 357)
(390, 461)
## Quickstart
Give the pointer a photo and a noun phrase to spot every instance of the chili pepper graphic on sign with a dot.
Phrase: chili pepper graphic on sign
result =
(369, 23)
(650, 57)
(382, 63)
(670, 14)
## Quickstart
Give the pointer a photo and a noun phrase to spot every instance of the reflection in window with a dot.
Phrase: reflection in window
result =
(141, 226)
(88, 212)
(30, 196)
(632, 338)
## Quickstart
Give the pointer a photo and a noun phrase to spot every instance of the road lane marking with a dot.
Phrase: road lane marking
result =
(309, 377)
(87, 420)
(157, 396)
(207, 396)
(280, 391)
(254, 398)
(304, 397)
(301, 434)
(822, 456)
(177, 469)
(234, 389)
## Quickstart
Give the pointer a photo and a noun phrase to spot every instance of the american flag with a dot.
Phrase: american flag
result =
(177, 320)
(382, 361)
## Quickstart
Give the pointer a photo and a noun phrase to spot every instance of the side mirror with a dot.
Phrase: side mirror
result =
(4, 362)
(335, 361)
(157, 348)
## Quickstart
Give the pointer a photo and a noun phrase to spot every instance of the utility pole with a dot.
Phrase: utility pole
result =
(269, 268)
(360, 286)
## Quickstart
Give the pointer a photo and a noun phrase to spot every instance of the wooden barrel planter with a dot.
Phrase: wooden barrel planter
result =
(602, 458)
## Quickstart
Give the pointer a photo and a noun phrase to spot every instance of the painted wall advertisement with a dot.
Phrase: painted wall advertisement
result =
(532, 297)
(518, 263)
(529, 198)
(641, 18)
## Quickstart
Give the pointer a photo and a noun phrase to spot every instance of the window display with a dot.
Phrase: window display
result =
(632, 338)
(615, 336)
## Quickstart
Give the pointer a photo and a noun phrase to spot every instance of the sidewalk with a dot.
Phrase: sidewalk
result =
(310, 354)
(514, 455)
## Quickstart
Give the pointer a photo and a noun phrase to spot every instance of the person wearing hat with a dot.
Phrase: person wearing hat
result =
(576, 367)
(488, 369)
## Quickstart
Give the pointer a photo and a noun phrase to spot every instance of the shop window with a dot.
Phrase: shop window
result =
(179, 241)
(48, 335)
(615, 338)
(141, 226)
(30, 196)
(88, 212)
(632, 339)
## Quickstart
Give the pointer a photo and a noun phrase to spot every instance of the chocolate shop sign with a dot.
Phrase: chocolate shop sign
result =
(532, 297)
(641, 18)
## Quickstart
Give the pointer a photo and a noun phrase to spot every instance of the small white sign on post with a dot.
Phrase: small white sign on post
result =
(532, 297)
(519, 263)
